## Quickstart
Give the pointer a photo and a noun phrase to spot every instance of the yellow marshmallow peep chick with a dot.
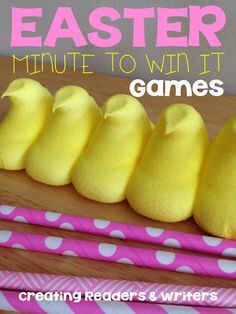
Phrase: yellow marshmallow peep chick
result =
(164, 185)
(215, 208)
(74, 118)
(104, 169)
(30, 107)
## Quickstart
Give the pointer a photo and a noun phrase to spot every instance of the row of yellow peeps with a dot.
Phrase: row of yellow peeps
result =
(167, 172)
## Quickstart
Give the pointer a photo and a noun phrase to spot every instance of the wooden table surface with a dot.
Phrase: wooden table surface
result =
(16, 188)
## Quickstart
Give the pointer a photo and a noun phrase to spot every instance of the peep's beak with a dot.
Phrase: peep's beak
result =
(13, 88)
(56, 106)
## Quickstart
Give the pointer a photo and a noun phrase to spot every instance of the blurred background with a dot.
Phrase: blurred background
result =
(100, 64)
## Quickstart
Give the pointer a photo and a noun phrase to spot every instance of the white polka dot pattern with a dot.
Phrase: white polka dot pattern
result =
(230, 252)
(5, 236)
(125, 261)
(212, 241)
(51, 216)
(6, 210)
(70, 253)
(67, 226)
(179, 261)
(228, 267)
(185, 269)
(165, 258)
(107, 250)
(117, 234)
(172, 243)
(20, 219)
(154, 232)
(53, 243)
(18, 246)
(101, 224)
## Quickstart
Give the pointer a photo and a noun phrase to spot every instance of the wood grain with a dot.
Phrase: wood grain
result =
(17, 188)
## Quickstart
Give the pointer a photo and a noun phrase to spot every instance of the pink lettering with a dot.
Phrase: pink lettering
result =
(18, 27)
(64, 14)
(95, 21)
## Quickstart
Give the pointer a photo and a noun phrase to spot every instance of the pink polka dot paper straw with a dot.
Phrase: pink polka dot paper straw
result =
(9, 301)
(151, 258)
(175, 239)
(213, 297)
